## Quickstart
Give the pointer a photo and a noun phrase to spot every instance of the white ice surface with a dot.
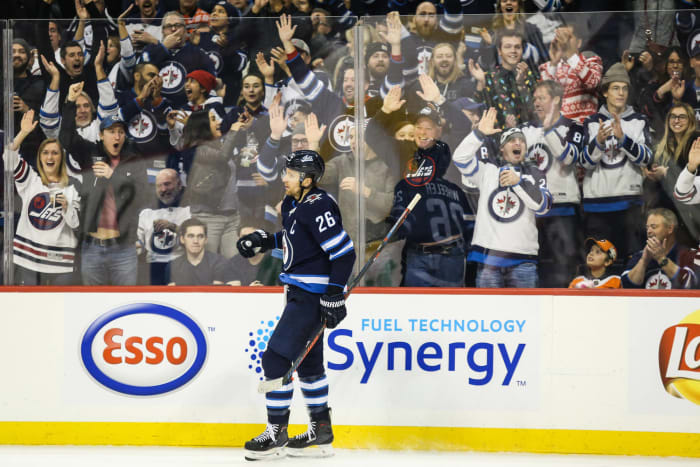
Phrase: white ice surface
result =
(109, 456)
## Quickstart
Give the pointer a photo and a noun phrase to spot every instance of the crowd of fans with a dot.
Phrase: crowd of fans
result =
(555, 144)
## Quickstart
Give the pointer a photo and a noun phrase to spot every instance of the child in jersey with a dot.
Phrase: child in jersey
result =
(318, 259)
(601, 255)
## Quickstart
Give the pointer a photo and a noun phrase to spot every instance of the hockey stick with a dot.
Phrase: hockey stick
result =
(277, 383)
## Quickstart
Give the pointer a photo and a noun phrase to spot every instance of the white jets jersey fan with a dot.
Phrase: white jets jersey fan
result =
(505, 218)
(45, 240)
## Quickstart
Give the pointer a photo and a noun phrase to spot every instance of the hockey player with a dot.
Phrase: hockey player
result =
(318, 259)
(512, 192)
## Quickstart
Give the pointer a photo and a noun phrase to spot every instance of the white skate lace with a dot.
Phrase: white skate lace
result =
(310, 434)
(269, 433)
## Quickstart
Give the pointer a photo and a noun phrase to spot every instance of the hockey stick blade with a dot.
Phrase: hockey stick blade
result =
(277, 383)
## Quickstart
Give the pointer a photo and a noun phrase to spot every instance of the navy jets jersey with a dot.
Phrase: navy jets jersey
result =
(317, 251)
(442, 213)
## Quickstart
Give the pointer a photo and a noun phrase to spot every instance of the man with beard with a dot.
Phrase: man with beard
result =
(144, 24)
(157, 229)
(28, 94)
(418, 47)
(554, 143)
(377, 62)
(336, 112)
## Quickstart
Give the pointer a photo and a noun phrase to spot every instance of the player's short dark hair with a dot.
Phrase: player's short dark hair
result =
(69, 44)
(508, 33)
(191, 222)
(141, 65)
(554, 89)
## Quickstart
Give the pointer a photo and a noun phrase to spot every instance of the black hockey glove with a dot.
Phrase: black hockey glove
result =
(256, 242)
(333, 309)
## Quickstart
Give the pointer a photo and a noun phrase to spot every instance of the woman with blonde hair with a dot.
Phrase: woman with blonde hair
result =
(45, 240)
(670, 157)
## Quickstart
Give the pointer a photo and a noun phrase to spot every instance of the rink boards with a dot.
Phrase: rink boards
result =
(610, 373)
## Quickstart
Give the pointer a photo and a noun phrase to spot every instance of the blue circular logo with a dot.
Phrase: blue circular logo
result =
(134, 335)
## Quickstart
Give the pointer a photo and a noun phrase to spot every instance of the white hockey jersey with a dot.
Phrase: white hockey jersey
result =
(45, 240)
(613, 178)
(505, 233)
(162, 247)
(555, 153)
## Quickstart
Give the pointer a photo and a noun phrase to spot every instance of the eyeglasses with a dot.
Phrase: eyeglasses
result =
(173, 26)
(679, 117)
(299, 142)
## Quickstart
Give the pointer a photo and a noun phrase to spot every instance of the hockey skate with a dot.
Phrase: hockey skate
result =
(315, 442)
(269, 445)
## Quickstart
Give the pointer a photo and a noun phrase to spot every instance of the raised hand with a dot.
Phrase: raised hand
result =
(485, 36)
(476, 71)
(487, 124)
(646, 60)
(393, 101)
(122, 18)
(430, 91)
(279, 56)
(267, 69)
(694, 156)
(677, 89)
(286, 32)
(314, 133)
(51, 68)
(74, 91)
(81, 11)
(627, 60)
(278, 123)
(393, 34)
(605, 130)
(100, 57)
(28, 124)
(521, 70)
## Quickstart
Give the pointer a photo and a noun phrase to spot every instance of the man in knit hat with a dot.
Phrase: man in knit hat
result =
(617, 148)
(377, 62)
(28, 94)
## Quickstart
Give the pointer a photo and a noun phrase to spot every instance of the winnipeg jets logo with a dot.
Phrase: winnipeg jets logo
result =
(421, 172)
(142, 127)
(173, 74)
(658, 281)
(311, 199)
(339, 132)
(423, 56)
(164, 241)
(42, 214)
(613, 157)
(541, 157)
(216, 59)
(505, 205)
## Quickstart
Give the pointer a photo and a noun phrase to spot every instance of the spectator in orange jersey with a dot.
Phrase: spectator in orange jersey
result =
(601, 255)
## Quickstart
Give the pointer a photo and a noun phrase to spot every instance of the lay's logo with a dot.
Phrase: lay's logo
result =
(143, 349)
(679, 358)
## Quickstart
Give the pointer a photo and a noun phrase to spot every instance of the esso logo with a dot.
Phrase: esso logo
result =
(679, 358)
(143, 349)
